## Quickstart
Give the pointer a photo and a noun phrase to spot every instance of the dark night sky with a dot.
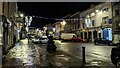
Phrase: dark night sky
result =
(51, 10)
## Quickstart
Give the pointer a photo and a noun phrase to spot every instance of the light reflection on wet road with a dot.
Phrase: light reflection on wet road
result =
(68, 54)
(21, 54)
(95, 54)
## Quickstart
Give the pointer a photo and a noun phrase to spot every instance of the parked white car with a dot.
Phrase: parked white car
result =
(44, 39)
(35, 40)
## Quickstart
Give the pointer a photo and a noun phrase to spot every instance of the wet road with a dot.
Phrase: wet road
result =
(98, 55)
(68, 54)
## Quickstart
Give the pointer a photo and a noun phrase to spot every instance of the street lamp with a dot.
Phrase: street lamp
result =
(21, 15)
(88, 16)
(96, 11)
(93, 14)
(45, 28)
(63, 23)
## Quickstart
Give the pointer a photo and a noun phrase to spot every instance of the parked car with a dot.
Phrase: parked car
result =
(115, 55)
(31, 35)
(76, 39)
(36, 40)
(102, 41)
(44, 39)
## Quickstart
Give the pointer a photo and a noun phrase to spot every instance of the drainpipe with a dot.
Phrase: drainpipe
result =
(112, 21)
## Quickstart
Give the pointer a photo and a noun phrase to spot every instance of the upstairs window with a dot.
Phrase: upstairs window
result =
(78, 25)
(110, 21)
(105, 20)
(105, 9)
(83, 25)
(116, 12)
(93, 22)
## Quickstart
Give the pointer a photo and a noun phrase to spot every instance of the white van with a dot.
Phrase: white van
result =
(67, 36)
(44, 39)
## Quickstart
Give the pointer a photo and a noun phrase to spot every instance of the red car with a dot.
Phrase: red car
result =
(76, 39)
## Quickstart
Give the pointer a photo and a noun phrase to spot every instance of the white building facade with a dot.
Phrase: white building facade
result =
(91, 21)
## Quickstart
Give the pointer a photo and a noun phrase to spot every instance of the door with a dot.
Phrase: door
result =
(94, 34)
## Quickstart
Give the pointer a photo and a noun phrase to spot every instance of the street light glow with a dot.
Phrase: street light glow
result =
(93, 14)
(100, 12)
(88, 16)
(21, 15)
(63, 23)
(96, 10)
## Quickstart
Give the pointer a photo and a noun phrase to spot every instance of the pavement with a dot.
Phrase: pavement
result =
(23, 54)
(29, 55)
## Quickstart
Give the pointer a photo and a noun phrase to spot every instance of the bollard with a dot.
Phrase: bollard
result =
(83, 55)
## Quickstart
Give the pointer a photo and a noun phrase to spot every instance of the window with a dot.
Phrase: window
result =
(105, 20)
(116, 12)
(105, 9)
(75, 20)
(83, 25)
(117, 24)
(78, 25)
(110, 21)
(93, 22)
(115, 3)
(74, 26)
(72, 20)
(78, 19)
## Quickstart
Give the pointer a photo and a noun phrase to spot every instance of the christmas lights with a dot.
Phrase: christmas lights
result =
(81, 18)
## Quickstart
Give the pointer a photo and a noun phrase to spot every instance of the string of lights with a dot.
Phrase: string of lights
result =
(40, 17)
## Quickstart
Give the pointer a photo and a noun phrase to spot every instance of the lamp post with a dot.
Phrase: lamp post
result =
(21, 15)
(19, 19)
(63, 23)
(22, 27)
